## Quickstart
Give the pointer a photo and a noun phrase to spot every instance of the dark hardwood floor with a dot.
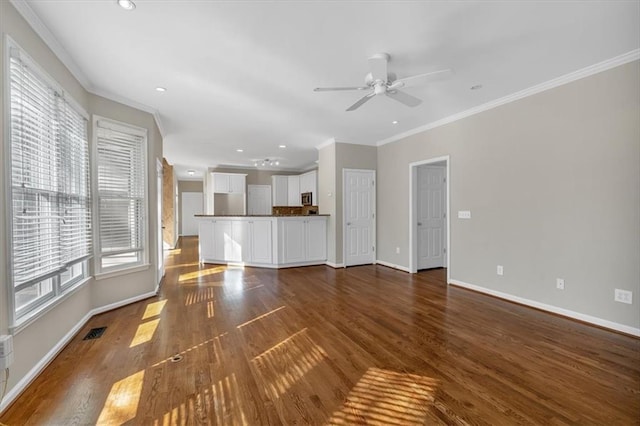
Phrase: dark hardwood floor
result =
(315, 345)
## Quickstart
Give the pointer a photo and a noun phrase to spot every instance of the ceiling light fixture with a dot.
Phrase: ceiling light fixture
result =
(476, 87)
(126, 4)
(394, 122)
(240, 150)
(282, 146)
(161, 89)
(191, 172)
(266, 163)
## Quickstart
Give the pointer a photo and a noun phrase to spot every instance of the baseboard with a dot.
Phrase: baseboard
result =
(46, 360)
(42, 364)
(392, 265)
(550, 308)
(334, 265)
(121, 303)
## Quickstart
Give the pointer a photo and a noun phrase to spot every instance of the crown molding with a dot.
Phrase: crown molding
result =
(326, 143)
(63, 55)
(633, 55)
(50, 40)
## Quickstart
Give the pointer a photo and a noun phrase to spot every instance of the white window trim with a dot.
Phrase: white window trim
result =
(99, 272)
(17, 324)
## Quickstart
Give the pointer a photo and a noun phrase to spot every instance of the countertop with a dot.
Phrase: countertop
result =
(260, 215)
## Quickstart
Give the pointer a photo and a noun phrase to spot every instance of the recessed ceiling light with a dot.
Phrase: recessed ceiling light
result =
(240, 150)
(191, 172)
(394, 122)
(127, 4)
(282, 146)
(161, 89)
(476, 87)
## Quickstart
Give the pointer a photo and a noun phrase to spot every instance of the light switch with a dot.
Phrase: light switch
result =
(464, 214)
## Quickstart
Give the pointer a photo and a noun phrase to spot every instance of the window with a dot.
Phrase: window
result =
(50, 221)
(121, 204)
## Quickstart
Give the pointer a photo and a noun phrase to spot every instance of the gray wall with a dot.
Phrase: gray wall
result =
(332, 160)
(34, 341)
(553, 185)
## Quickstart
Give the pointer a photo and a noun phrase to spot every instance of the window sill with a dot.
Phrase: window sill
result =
(39, 312)
(124, 271)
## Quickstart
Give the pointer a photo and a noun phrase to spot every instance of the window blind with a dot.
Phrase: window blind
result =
(121, 194)
(51, 216)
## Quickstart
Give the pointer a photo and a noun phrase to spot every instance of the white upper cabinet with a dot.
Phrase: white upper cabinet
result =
(228, 183)
(280, 186)
(294, 191)
(309, 183)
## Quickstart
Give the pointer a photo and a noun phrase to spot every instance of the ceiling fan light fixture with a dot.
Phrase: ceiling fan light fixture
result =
(126, 4)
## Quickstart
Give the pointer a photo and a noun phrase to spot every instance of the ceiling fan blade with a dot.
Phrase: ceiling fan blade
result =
(404, 98)
(361, 101)
(334, 89)
(378, 65)
(420, 79)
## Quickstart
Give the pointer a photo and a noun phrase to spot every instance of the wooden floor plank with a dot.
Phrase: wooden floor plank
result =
(317, 345)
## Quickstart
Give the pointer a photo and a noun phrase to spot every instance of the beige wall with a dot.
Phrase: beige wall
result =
(35, 341)
(327, 195)
(553, 185)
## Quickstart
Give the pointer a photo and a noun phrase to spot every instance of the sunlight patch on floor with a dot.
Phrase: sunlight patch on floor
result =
(145, 332)
(220, 404)
(199, 295)
(122, 403)
(154, 309)
(384, 397)
(284, 364)
(261, 316)
(210, 309)
(214, 340)
(196, 275)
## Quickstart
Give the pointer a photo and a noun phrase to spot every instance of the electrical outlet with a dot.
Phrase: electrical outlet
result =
(397, 250)
(499, 270)
(623, 296)
(559, 283)
(464, 214)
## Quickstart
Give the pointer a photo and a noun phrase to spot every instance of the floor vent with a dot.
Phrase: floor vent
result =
(95, 333)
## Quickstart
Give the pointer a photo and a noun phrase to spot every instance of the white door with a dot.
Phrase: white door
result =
(431, 217)
(359, 217)
(259, 199)
(191, 205)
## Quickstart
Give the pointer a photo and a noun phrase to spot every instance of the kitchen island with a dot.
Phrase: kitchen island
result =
(263, 241)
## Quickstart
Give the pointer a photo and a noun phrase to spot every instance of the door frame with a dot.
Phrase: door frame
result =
(159, 216)
(413, 211)
(344, 214)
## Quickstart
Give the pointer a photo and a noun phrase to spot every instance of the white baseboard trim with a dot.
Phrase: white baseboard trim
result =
(334, 265)
(392, 265)
(44, 362)
(550, 308)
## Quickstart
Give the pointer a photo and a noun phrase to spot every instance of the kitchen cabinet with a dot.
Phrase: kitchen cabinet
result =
(309, 183)
(270, 242)
(303, 239)
(280, 187)
(293, 190)
(228, 183)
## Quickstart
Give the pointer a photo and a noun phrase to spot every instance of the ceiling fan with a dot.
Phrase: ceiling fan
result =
(381, 82)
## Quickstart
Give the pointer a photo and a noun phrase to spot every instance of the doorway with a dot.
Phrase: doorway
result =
(359, 224)
(429, 218)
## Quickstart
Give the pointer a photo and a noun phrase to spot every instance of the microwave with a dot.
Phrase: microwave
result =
(307, 199)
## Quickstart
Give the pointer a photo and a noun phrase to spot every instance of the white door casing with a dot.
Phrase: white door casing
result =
(359, 217)
(191, 205)
(159, 194)
(431, 216)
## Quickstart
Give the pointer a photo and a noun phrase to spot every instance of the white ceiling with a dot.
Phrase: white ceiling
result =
(240, 74)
